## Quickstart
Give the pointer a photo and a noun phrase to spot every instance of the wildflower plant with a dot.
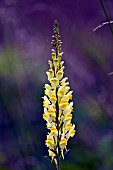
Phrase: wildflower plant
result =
(58, 105)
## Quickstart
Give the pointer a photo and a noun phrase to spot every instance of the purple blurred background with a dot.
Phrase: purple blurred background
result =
(26, 28)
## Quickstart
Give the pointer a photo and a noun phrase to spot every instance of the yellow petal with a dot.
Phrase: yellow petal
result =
(50, 74)
(72, 132)
(59, 75)
(49, 142)
(61, 91)
(63, 143)
(52, 97)
(67, 88)
(53, 55)
(46, 117)
(56, 62)
(68, 96)
(54, 131)
(51, 112)
(50, 64)
(68, 117)
(54, 82)
(51, 153)
(64, 80)
(68, 126)
(63, 104)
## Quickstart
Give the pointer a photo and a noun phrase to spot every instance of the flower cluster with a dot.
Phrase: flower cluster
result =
(57, 103)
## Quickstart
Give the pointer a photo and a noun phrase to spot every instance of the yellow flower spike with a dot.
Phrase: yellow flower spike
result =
(57, 103)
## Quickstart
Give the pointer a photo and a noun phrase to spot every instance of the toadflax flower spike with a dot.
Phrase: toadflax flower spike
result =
(57, 104)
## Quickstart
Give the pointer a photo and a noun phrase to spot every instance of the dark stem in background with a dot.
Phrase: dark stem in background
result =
(104, 9)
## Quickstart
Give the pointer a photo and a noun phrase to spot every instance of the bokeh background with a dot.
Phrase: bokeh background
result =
(26, 27)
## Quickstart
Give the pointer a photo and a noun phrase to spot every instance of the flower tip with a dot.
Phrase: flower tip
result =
(56, 24)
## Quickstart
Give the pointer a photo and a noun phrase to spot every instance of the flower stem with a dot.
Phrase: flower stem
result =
(58, 138)
(58, 163)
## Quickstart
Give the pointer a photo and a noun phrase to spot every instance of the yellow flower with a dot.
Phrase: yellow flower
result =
(63, 81)
(63, 104)
(72, 132)
(46, 102)
(61, 91)
(54, 131)
(67, 88)
(49, 142)
(57, 103)
(51, 154)
(51, 112)
(59, 75)
(46, 117)
(60, 56)
(47, 89)
(68, 126)
(56, 62)
(54, 82)
(50, 64)
(68, 117)
(63, 143)
(53, 54)
(52, 97)
(50, 125)
(68, 96)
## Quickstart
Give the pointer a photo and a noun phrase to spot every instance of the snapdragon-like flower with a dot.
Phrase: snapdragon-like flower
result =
(57, 102)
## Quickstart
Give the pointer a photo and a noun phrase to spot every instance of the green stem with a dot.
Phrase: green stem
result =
(102, 4)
